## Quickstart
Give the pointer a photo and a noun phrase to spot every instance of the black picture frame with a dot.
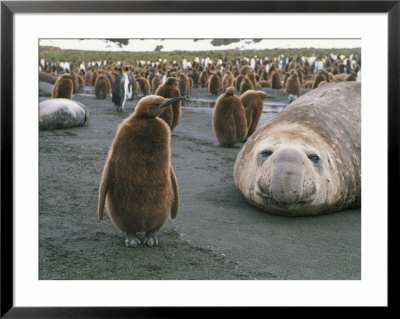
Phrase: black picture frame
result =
(9, 8)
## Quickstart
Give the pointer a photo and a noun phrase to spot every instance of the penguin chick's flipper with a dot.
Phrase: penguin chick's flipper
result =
(132, 240)
(175, 204)
(103, 190)
(151, 239)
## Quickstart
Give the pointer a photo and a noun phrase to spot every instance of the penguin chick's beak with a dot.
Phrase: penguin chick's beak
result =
(173, 100)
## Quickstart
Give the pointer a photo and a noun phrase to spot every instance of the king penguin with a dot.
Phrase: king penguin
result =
(138, 184)
(121, 89)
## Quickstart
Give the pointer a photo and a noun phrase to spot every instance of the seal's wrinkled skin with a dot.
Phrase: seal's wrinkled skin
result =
(306, 160)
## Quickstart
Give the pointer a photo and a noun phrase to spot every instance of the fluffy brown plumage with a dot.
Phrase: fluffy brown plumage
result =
(276, 80)
(292, 85)
(144, 85)
(138, 184)
(229, 119)
(204, 79)
(253, 103)
(63, 87)
(237, 81)
(227, 81)
(191, 83)
(155, 83)
(319, 77)
(214, 84)
(245, 85)
(102, 87)
(183, 84)
(172, 114)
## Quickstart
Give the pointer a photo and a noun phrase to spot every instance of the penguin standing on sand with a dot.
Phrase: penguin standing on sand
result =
(171, 115)
(195, 76)
(121, 89)
(229, 119)
(138, 184)
(253, 103)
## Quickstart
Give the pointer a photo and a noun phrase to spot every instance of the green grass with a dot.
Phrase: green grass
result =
(57, 54)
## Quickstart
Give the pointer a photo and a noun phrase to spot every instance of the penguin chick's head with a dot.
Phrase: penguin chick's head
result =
(171, 81)
(153, 105)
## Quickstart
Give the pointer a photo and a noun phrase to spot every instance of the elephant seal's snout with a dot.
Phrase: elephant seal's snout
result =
(287, 176)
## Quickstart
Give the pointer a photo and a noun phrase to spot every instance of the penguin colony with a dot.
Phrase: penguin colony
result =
(215, 75)
(145, 207)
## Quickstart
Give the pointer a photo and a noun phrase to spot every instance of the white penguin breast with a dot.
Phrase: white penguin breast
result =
(126, 83)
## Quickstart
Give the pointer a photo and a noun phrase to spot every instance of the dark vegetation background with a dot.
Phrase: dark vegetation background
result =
(57, 54)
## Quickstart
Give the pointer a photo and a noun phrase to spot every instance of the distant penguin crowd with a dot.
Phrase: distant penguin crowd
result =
(128, 78)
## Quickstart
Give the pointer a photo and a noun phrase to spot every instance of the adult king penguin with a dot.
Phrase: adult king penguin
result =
(122, 89)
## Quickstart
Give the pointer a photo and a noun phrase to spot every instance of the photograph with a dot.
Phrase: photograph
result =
(171, 158)
(199, 159)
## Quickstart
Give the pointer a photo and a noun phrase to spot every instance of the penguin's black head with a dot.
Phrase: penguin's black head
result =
(153, 105)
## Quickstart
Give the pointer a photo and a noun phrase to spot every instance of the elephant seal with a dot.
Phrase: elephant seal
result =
(45, 88)
(47, 77)
(62, 113)
(306, 160)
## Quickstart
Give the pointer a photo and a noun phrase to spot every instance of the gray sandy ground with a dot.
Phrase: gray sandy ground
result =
(216, 235)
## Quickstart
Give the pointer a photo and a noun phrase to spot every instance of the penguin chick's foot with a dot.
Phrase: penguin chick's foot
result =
(151, 239)
(131, 240)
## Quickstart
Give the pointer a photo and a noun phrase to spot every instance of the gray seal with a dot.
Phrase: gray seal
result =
(62, 113)
(306, 160)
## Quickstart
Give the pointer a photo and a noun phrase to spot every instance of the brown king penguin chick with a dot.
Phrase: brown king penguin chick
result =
(171, 114)
(352, 76)
(292, 87)
(253, 103)
(245, 85)
(252, 78)
(102, 87)
(276, 80)
(191, 84)
(155, 83)
(214, 84)
(229, 119)
(183, 84)
(138, 185)
(227, 81)
(319, 78)
(63, 87)
(88, 77)
(77, 81)
(237, 82)
(94, 76)
(204, 79)
(264, 75)
(144, 85)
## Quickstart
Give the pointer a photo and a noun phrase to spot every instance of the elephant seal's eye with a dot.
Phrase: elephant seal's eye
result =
(265, 154)
(314, 158)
